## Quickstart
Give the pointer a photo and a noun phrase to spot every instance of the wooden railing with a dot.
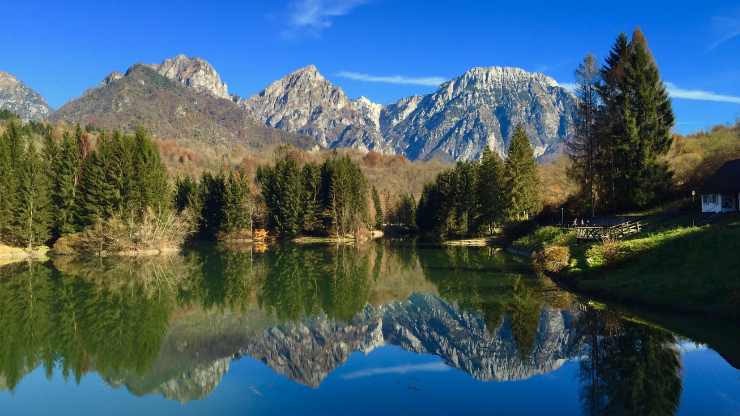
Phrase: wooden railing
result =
(618, 231)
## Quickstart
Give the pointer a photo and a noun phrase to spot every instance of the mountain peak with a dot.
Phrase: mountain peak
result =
(18, 98)
(195, 73)
(500, 75)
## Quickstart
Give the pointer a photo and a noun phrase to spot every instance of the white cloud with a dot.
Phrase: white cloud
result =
(316, 15)
(700, 95)
(392, 79)
(726, 28)
(568, 86)
(400, 369)
(677, 92)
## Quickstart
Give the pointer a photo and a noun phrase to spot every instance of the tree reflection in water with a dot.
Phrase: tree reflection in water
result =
(629, 368)
(116, 317)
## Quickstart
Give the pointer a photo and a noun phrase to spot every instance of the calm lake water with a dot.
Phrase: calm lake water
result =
(310, 331)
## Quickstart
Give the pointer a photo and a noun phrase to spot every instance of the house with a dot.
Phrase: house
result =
(721, 191)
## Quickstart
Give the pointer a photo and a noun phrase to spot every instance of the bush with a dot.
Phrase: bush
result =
(551, 259)
(153, 232)
(607, 253)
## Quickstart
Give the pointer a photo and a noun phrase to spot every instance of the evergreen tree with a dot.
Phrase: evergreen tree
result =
(610, 120)
(237, 204)
(311, 174)
(148, 176)
(31, 221)
(64, 184)
(96, 196)
(583, 147)
(634, 122)
(429, 209)
(282, 189)
(344, 190)
(11, 154)
(490, 189)
(185, 190)
(378, 209)
(212, 199)
(522, 183)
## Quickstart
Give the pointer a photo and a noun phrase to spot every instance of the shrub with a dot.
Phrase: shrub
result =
(551, 259)
(607, 253)
(156, 231)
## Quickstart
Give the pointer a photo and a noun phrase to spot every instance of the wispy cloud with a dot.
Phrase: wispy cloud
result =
(568, 86)
(682, 93)
(400, 369)
(392, 79)
(727, 29)
(313, 16)
(700, 95)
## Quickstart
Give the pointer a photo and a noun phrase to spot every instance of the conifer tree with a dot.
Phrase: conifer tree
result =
(282, 189)
(237, 204)
(635, 123)
(522, 183)
(11, 153)
(344, 190)
(31, 222)
(96, 196)
(64, 183)
(212, 191)
(185, 191)
(583, 147)
(378, 209)
(311, 174)
(490, 190)
(148, 175)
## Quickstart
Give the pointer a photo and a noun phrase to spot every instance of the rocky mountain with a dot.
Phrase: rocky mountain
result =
(478, 109)
(185, 98)
(194, 73)
(182, 104)
(307, 103)
(307, 351)
(18, 98)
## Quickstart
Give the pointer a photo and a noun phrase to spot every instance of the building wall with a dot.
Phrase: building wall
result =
(713, 203)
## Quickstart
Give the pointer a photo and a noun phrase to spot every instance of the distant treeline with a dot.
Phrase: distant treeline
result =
(114, 194)
(293, 198)
(63, 186)
(473, 197)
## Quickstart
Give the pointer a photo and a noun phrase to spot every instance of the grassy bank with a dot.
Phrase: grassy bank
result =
(694, 269)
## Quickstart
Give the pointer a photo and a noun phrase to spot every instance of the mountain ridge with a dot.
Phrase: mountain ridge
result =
(478, 109)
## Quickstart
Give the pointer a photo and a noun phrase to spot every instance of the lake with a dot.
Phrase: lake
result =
(386, 329)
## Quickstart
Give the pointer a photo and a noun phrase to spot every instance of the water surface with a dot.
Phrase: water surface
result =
(325, 330)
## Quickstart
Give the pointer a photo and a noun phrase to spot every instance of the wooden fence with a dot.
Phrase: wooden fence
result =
(618, 231)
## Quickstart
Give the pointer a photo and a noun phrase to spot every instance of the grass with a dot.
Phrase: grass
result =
(683, 268)
(545, 236)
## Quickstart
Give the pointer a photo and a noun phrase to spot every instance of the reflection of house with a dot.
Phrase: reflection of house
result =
(721, 191)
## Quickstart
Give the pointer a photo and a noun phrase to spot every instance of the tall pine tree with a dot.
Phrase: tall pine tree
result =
(522, 183)
(64, 183)
(31, 221)
(634, 123)
(490, 190)
(583, 146)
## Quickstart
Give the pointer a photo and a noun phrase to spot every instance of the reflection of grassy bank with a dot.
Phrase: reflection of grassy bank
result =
(10, 254)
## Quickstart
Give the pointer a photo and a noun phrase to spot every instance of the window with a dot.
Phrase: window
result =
(728, 202)
(709, 198)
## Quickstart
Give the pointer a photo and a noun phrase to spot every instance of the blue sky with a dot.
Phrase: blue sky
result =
(382, 49)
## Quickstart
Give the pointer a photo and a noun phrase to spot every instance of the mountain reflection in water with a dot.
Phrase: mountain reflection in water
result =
(174, 326)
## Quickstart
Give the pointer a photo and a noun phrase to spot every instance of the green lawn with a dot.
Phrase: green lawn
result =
(691, 268)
